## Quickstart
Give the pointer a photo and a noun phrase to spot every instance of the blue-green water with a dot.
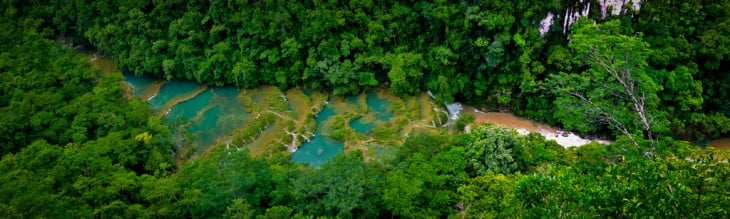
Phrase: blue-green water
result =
(204, 128)
(321, 148)
(227, 92)
(379, 106)
(170, 90)
(212, 114)
(187, 110)
(232, 108)
(318, 151)
(217, 112)
(324, 115)
(140, 84)
(208, 116)
(232, 112)
(361, 126)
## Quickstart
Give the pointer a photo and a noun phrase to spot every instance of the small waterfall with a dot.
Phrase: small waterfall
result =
(454, 110)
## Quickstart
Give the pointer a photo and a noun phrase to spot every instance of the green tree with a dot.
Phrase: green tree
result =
(489, 196)
(222, 177)
(463, 121)
(616, 88)
(239, 209)
(405, 72)
(401, 194)
(491, 150)
(342, 187)
(277, 212)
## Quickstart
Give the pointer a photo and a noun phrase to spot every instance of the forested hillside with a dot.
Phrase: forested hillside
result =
(76, 145)
(488, 53)
(72, 144)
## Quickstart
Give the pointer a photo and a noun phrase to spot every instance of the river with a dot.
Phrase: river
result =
(525, 126)
(308, 123)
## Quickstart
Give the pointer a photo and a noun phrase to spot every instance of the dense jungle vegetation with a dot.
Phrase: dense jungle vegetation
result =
(74, 145)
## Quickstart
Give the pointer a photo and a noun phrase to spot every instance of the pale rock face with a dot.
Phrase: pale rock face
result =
(546, 23)
(617, 6)
(571, 14)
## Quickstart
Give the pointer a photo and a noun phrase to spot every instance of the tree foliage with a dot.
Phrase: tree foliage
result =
(74, 146)
(71, 142)
(491, 150)
(615, 89)
(343, 187)
(489, 53)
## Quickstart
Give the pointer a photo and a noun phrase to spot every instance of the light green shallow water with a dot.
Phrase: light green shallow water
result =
(383, 153)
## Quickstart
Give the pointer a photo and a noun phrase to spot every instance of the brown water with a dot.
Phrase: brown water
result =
(525, 126)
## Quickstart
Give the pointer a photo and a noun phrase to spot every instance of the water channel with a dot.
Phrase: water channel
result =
(213, 114)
